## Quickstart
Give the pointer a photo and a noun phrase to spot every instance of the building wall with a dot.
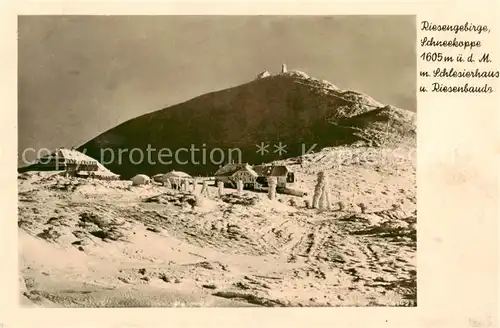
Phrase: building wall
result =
(50, 165)
(224, 179)
(244, 176)
(82, 167)
(281, 181)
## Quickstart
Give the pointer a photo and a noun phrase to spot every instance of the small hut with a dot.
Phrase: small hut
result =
(175, 178)
(231, 173)
(71, 162)
(140, 179)
(282, 173)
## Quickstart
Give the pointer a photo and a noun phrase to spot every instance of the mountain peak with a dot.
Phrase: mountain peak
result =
(289, 108)
(323, 86)
(284, 72)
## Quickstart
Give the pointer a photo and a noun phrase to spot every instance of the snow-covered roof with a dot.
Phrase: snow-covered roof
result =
(177, 174)
(72, 156)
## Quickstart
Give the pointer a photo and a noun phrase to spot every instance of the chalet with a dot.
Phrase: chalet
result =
(228, 169)
(66, 160)
(72, 163)
(231, 173)
(175, 178)
(283, 174)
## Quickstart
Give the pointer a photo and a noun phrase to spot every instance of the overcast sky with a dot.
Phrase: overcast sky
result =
(81, 75)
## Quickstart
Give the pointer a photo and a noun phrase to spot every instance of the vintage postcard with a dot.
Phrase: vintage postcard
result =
(322, 158)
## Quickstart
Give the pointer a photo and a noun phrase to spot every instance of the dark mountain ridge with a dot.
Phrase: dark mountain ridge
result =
(290, 108)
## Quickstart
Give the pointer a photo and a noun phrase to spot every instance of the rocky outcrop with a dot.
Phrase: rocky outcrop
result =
(299, 74)
(263, 75)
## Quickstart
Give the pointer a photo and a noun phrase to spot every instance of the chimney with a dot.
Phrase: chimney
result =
(283, 68)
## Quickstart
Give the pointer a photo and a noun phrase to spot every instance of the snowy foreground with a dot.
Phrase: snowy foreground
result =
(91, 243)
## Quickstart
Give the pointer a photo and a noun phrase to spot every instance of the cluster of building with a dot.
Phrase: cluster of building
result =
(71, 162)
(254, 177)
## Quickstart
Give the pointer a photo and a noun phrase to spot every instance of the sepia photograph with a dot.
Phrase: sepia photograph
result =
(217, 161)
